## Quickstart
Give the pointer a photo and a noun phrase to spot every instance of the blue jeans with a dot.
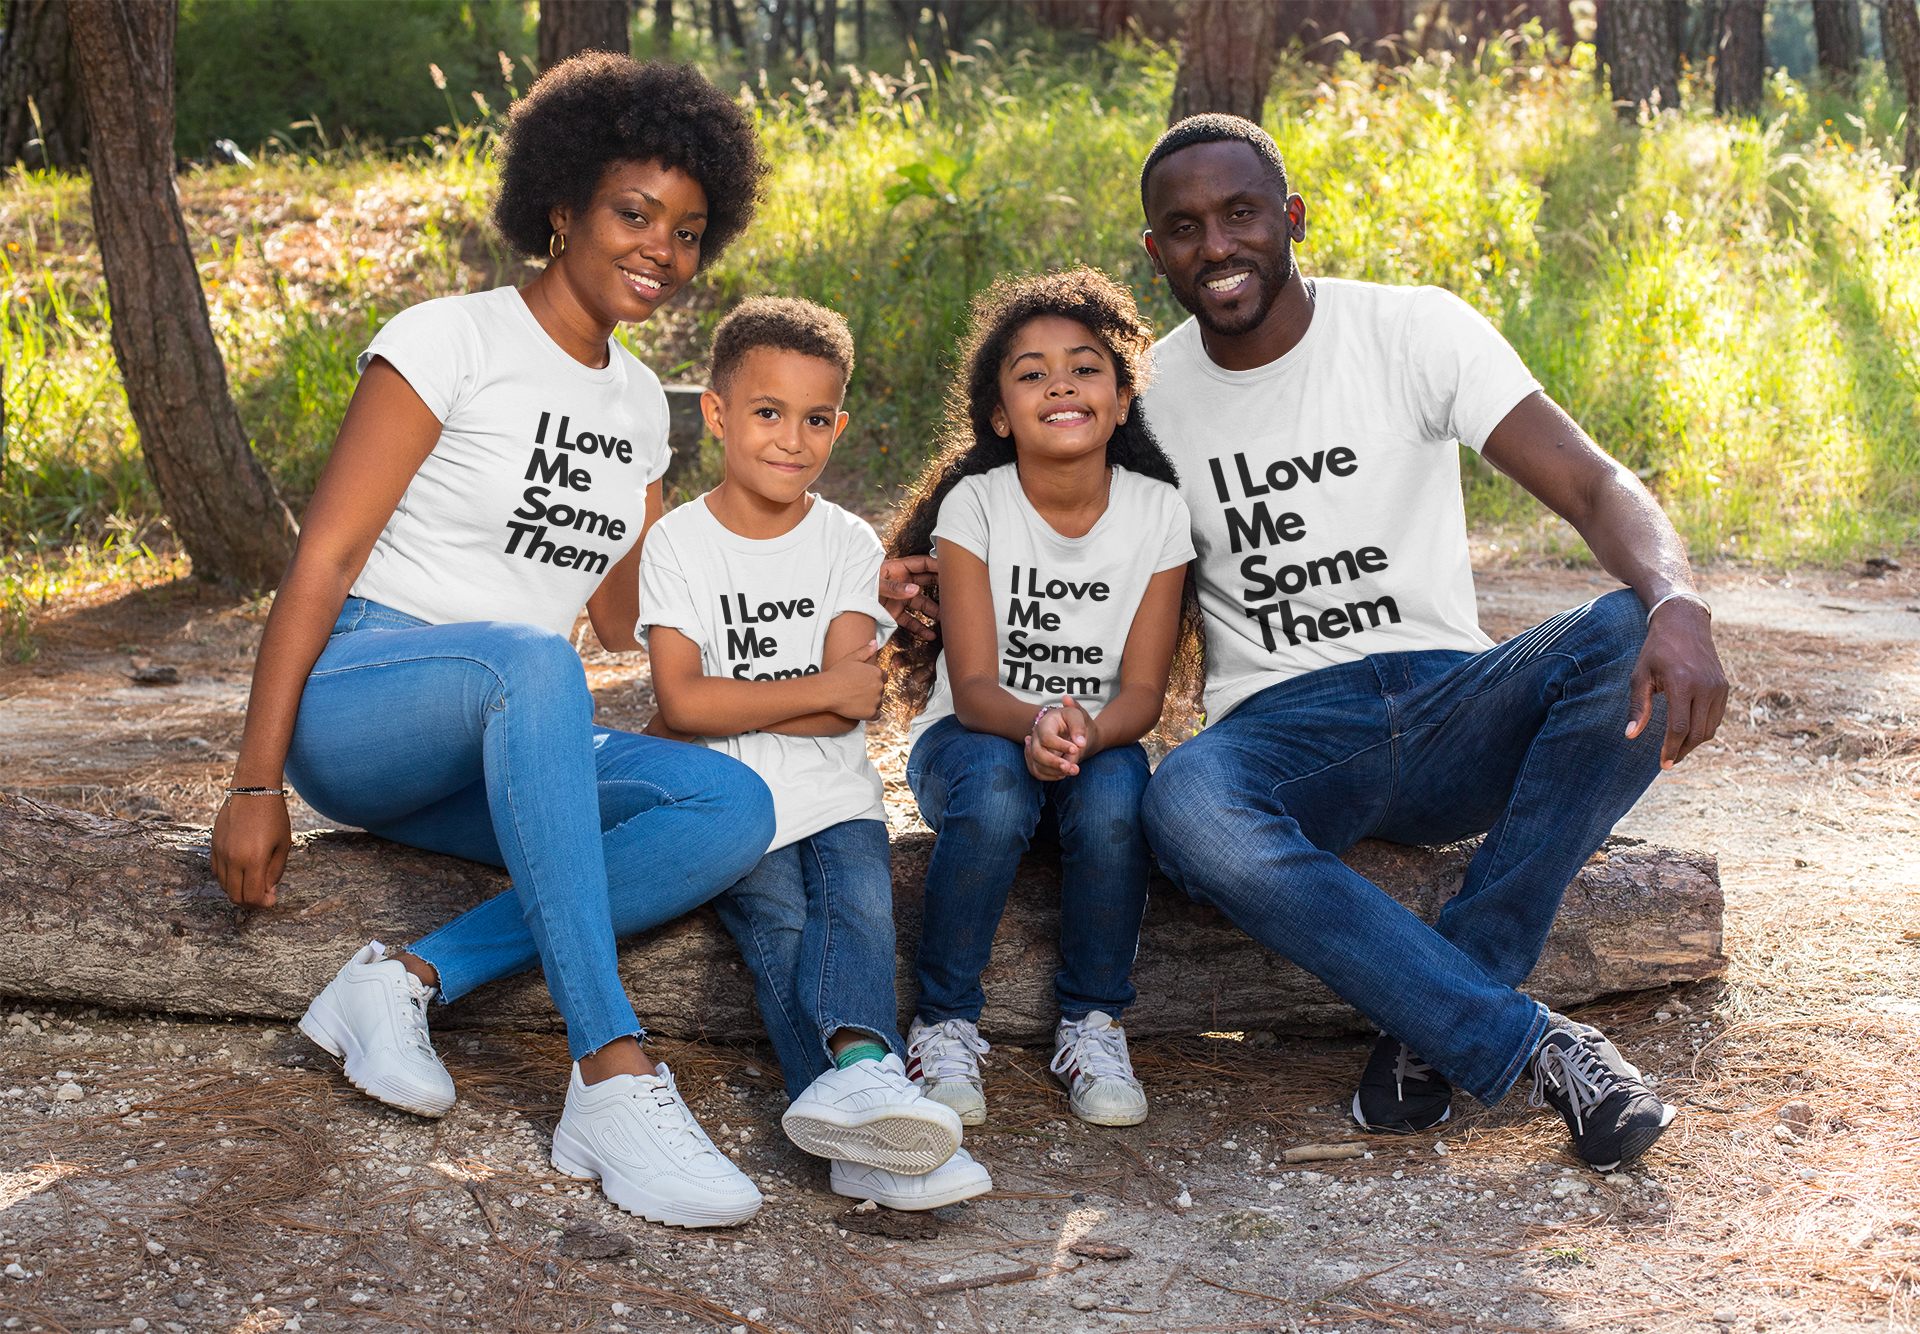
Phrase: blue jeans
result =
(814, 921)
(478, 740)
(1524, 743)
(976, 794)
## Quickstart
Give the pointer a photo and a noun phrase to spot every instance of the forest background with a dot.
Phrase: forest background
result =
(1730, 303)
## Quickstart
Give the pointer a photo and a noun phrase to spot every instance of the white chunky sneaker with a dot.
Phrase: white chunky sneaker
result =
(374, 1016)
(959, 1178)
(637, 1135)
(871, 1113)
(944, 1060)
(1090, 1058)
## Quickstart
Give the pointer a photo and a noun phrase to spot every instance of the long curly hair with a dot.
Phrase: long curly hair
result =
(969, 446)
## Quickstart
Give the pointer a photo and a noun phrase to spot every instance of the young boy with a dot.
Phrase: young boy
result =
(763, 627)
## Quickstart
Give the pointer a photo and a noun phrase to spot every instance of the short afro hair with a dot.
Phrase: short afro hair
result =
(785, 324)
(597, 109)
(1214, 128)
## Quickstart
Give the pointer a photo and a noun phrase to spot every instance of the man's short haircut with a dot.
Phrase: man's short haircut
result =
(785, 324)
(1215, 128)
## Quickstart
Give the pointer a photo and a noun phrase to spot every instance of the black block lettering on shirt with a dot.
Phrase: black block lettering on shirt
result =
(1262, 526)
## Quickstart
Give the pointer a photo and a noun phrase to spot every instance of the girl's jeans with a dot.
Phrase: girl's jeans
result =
(975, 792)
(478, 740)
(815, 922)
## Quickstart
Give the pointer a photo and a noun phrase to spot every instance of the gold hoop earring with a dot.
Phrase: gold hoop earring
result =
(556, 245)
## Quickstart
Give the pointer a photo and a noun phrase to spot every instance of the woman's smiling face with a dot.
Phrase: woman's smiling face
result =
(1060, 394)
(636, 244)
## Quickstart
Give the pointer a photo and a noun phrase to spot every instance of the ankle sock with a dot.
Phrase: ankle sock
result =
(860, 1051)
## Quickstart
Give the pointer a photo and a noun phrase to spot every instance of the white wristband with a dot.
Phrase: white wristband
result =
(1684, 597)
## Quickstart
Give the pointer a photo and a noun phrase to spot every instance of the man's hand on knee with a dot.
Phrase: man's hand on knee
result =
(1679, 661)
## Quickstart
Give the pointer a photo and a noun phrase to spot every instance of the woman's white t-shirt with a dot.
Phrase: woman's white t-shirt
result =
(1063, 605)
(537, 485)
(759, 610)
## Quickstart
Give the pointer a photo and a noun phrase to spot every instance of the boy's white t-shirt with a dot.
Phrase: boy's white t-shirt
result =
(1325, 486)
(537, 485)
(1063, 605)
(759, 610)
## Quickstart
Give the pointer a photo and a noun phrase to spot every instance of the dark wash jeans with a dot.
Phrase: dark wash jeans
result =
(1525, 743)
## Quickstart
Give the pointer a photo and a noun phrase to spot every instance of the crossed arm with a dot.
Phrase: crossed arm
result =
(828, 703)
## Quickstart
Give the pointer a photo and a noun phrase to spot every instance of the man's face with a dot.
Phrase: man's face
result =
(1221, 232)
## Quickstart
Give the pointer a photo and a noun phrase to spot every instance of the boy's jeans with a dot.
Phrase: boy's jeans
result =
(478, 740)
(815, 922)
(975, 792)
(1524, 742)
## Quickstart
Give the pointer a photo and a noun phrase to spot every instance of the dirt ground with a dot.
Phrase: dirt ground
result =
(165, 1173)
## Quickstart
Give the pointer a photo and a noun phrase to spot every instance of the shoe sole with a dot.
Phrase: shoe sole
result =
(919, 1204)
(1362, 1122)
(912, 1143)
(1115, 1119)
(571, 1158)
(336, 1040)
(1638, 1142)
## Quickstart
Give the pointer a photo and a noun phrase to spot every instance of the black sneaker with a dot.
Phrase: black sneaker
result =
(1605, 1102)
(1399, 1093)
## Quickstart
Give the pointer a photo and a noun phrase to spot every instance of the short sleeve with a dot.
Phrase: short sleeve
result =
(1176, 542)
(660, 415)
(436, 350)
(963, 517)
(665, 598)
(1464, 377)
(859, 581)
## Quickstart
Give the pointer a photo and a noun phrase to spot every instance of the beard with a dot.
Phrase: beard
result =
(1270, 276)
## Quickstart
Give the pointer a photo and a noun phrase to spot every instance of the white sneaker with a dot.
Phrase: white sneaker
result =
(944, 1060)
(871, 1113)
(959, 1178)
(374, 1014)
(637, 1135)
(1090, 1058)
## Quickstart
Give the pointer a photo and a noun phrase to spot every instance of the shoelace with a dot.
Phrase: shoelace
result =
(1099, 1053)
(1578, 1072)
(951, 1050)
(418, 993)
(1408, 1066)
(663, 1107)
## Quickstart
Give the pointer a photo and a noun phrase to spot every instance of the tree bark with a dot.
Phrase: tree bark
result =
(1227, 62)
(1740, 60)
(37, 75)
(1836, 33)
(568, 27)
(734, 31)
(860, 32)
(825, 36)
(1902, 27)
(1642, 58)
(108, 912)
(663, 29)
(222, 505)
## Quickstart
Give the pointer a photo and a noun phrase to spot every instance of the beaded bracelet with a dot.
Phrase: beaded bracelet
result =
(256, 791)
(1038, 716)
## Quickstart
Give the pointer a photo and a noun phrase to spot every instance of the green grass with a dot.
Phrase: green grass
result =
(1732, 308)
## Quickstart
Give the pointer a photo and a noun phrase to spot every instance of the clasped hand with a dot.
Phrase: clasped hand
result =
(1062, 736)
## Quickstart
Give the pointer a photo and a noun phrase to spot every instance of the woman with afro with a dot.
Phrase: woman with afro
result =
(496, 471)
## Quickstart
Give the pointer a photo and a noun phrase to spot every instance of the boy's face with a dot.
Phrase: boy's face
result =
(778, 419)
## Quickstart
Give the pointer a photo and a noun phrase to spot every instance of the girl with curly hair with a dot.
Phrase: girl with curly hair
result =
(497, 470)
(1063, 547)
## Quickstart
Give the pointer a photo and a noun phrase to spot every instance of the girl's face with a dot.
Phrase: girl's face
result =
(637, 244)
(1060, 394)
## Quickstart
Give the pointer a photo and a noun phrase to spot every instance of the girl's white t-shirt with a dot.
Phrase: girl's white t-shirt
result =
(537, 485)
(1064, 605)
(759, 610)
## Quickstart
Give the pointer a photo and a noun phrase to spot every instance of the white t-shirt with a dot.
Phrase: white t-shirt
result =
(759, 610)
(1325, 486)
(1070, 601)
(537, 485)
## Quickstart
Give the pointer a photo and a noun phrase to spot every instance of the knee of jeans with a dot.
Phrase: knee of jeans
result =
(533, 658)
(1617, 625)
(999, 797)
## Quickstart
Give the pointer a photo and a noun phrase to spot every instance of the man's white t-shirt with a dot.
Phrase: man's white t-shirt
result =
(1325, 486)
(537, 485)
(1063, 605)
(759, 610)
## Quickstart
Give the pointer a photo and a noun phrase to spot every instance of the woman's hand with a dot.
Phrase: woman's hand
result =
(1059, 741)
(854, 683)
(903, 589)
(251, 839)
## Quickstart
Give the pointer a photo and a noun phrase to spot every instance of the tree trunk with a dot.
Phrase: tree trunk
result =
(568, 27)
(37, 77)
(663, 29)
(1740, 63)
(223, 506)
(1836, 32)
(825, 36)
(1227, 62)
(734, 31)
(1642, 71)
(107, 912)
(860, 32)
(1902, 27)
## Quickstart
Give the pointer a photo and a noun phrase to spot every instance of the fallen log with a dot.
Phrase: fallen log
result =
(101, 911)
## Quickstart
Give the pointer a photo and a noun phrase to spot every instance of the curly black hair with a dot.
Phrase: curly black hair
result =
(1215, 127)
(597, 109)
(786, 324)
(969, 445)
